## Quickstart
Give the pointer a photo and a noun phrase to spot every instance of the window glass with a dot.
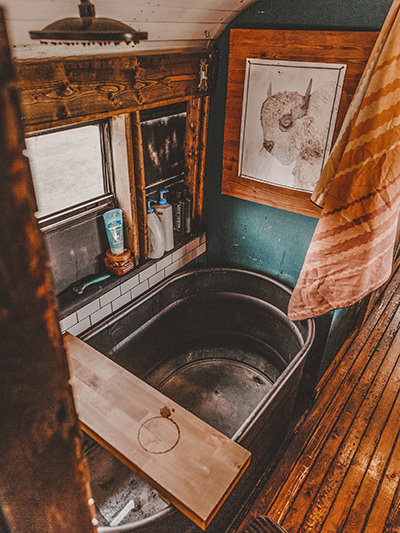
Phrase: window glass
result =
(163, 132)
(67, 167)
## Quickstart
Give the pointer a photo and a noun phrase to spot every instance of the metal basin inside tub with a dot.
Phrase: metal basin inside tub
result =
(218, 342)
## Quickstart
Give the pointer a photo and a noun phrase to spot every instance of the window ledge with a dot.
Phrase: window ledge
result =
(80, 312)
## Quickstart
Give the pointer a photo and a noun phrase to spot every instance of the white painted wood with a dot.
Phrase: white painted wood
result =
(157, 30)
(38, 51)
(121, 175)
(42, 11)
(169, 23)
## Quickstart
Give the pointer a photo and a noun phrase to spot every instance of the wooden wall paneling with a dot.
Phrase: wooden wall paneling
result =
(193, 127)
(44, 478)
(124, 178)
(204, 116)
(140, 181)
(59, 90)
(352, 48)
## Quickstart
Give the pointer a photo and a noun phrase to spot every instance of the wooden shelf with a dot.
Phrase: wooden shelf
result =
(191, 464)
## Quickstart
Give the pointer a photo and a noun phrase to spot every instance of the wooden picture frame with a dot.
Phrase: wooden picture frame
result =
(348, 47)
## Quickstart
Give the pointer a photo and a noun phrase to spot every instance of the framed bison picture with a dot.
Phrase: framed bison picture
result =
(288, 92)
(288, 117)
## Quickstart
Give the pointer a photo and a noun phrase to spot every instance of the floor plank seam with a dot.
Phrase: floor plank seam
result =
(282, 517)
(351, 458)
(381, 481)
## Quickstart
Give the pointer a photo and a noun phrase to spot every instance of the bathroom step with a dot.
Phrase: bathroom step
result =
(190, 463)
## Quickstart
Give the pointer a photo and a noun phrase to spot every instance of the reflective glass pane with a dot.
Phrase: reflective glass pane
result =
(66, 167)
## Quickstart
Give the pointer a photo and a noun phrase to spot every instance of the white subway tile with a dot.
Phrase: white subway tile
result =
(172, 268)
(193, 244)
(129, 284)
(186, 259)
(164, 262)
(145, 274)
(88, 309)
(68, 321)
(121, 301)
(110, 296)
(200, 250)
(80, 326)
(178, 254)
(156, 278)
(99, 315)
(140, 289)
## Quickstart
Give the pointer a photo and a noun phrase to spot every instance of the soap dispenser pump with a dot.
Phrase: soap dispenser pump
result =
(156, 243)
(164, 212)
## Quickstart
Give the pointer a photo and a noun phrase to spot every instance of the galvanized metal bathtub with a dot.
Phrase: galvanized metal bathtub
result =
(217, 341)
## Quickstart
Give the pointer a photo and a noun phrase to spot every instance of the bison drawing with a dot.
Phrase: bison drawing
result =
(295, 128)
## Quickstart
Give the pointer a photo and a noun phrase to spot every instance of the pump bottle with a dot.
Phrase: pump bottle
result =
(164, 212)
(156, 244)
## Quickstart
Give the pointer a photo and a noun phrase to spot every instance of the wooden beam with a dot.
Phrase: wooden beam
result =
(193, 127)
(199, 199)
(191, 464)
(43, 475)
(140, 180)
(58, 90)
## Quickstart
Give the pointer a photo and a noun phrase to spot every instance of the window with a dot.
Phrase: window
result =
(71, 170)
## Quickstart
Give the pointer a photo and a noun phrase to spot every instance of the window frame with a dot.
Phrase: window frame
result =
(70, 215)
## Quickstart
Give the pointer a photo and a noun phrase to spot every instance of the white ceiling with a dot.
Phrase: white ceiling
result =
(170, 23)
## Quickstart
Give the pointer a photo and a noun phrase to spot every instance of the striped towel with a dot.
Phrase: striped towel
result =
(351, 252)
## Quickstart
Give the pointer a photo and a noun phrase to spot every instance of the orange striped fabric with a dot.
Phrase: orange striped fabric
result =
(351, 252)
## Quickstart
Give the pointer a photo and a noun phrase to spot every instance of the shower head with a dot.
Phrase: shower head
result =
(88, 29)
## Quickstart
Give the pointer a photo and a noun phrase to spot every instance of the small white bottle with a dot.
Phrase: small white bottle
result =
(164, 212)
(156, 244)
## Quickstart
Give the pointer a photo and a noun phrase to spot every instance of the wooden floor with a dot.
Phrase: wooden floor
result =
(341, 470)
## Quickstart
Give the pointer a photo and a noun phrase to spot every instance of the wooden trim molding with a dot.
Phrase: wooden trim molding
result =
(193, 123)
(204, 116)
(350, 47)
(140, 180)
(59, 91)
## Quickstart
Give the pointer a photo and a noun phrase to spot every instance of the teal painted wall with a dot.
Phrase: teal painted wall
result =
(248, 234)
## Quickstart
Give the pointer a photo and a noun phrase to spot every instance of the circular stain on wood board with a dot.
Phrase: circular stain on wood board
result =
(158, 435)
